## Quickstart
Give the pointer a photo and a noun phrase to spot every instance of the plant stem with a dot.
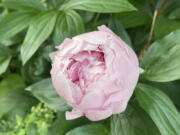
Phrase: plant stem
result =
(156, 13)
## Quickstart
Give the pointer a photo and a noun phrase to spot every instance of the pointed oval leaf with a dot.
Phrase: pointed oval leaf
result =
(175, 14)
(68, 24)
(172, 89)
(160, 108)
(161, 61)
(134, 121)
(101, 6)
(55, 3)
(45, 92)
(4, 51)
(13, 23)
(61, 125)
(30, 5)
(90, 129)
(115, 25)
(11, 82)
(16, 102)
(4, 62)
(39, 30)
(164, 26)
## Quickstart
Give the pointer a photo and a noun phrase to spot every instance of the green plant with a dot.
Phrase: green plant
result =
(31, 29)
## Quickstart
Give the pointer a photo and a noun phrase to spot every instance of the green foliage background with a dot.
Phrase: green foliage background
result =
(31, 29)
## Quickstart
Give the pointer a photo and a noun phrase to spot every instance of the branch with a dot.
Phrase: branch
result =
(156, 13)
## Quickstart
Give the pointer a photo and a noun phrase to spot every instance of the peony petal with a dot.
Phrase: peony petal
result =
(66, 43)
(92, 100)
(73, 114)
(106, 84)
(103, 28)
(118, 107)
(75, 47)
(118, 101)
(95, 37)
(130, 53)
(77, 93)
(62, 87)
(95, 115)
(115, 97)
(52, 55)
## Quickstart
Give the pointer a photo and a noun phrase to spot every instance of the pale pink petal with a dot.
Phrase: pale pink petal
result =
(107, 84)
(75, 47)
(66, 43)
(61, 84)
(95, 115)
(52, 55)
(95, 37)
(103, 28)
(115, 97)
(92, 100)
(118, 107)
(121, 43)
(77, 93)
(73, 114)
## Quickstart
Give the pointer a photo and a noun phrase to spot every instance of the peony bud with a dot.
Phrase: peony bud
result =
(95, 73)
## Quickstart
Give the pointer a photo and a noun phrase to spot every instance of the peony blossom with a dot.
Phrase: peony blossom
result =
(95, 73)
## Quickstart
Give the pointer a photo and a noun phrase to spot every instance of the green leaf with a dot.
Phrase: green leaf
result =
(46, 51)
(131, 19)
(160, 108)
(45, 92)
(172, 89)
(16, 39)
(4, 62)
(134, 121)
(171, 6)
(40, 29)
(13, 23)
(11, 82)
(87, 16)
(90, 129)
(68, 24)
(55, 3)
(31, 72)
(175, 14)
(61, 125)
(161, 61)
(164, 26)
(29, 5)
(16, 102)
(116, 26)
(101, 6)
(4, 51)
(5, 58)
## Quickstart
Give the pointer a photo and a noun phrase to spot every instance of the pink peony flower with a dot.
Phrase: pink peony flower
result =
(95, 73)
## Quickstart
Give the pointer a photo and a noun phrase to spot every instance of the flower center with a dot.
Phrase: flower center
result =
(86, 67)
